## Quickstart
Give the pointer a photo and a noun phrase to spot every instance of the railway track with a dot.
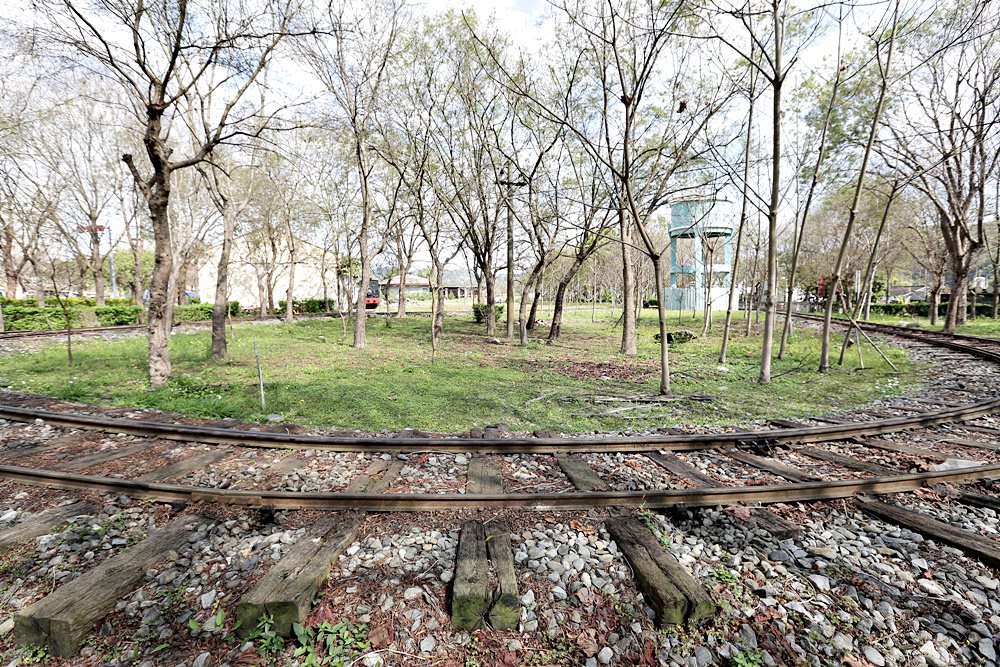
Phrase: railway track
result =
(904, 445)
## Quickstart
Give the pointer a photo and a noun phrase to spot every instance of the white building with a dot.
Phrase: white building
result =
(253, 264)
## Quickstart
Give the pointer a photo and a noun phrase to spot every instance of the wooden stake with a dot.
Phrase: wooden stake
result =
(260, 379)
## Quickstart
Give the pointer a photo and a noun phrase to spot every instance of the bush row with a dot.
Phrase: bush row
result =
(74, 301)
(307, 306)
(21, 316)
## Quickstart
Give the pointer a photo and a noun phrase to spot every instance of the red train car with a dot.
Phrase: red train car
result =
(374, 296)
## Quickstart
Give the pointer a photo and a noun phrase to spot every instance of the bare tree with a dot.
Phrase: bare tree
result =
(353, 66)
(886, 42)
(157, 54)
(946, 131)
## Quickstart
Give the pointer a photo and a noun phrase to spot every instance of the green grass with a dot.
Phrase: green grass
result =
(314, 377)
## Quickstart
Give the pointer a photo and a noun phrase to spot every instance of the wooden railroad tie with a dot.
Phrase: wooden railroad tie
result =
(472, 599)
(762, 518)
(965, 442)
(61, 620)
(848, 462)
(671, 591)
(890, 446)
(580, 474)
(42, 523)
(100, 458)
(980, 500)
(977, 546)
(287, 591)
(186, 465)
(52, 445)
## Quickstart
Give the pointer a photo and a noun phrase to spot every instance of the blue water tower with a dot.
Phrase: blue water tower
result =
(701, 247)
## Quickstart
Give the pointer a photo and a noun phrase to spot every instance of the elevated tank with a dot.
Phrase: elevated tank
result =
(701, 248)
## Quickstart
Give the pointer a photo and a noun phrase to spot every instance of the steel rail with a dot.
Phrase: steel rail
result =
(215, 435)
(937, 337)
(804, 491)
(783, 493)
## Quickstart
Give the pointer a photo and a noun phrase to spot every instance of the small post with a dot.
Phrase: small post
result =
(260, 379)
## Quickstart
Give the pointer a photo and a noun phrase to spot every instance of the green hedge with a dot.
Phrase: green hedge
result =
(308, 306)
(24, 317)
(194, 312)
(118, 315)
(479, 311)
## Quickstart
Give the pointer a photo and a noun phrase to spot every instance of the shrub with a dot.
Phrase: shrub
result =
(195, 312)
(651, 303)
(24, 317)
(118, 315)
(479, 311)
(312, 306)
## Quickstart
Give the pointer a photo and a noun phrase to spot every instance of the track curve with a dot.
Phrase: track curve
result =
(986, 349)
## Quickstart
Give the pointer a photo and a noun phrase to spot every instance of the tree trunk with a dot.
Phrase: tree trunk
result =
(137, 272)
(771, 296)
(956, 304)
(629, 331)
(9, 270)
(533, 313)
(522, 310)
(661, 312)
(160, 311)
(557, 309)
(290, 292)
(96, 265)
(401, 298)
(510, 259)
(491, 299)
(219, 344)
(935, 303)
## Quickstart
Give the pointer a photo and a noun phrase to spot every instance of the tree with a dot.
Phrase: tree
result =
(157, 54)
(945, 132)
(353, 65)
(642, 115)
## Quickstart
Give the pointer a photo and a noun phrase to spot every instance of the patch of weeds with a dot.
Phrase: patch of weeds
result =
(269, 643)
(725, 576)
(472, 650)
(33, 655)
(749, 658)
(557, 651)
(173, 596)
(335, 645)
(664, 537)
(624, 610)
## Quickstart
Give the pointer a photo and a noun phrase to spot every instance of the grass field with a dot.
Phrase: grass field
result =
(314, 377)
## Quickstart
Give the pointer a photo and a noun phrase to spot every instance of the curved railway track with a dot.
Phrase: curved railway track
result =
(783, 446)
(901, 445)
